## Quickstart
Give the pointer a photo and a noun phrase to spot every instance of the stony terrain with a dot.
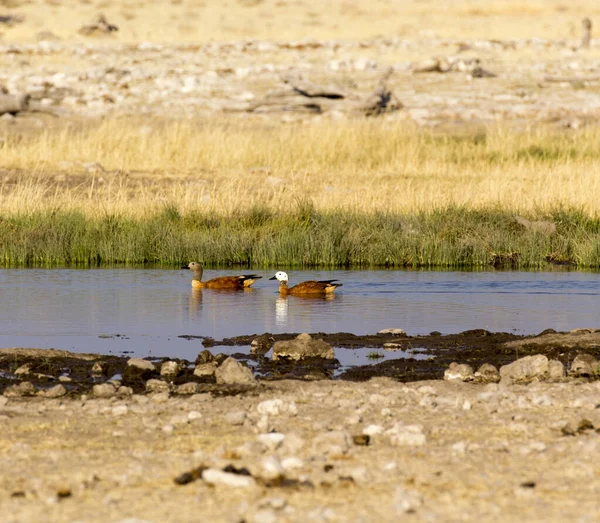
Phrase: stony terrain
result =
(518, 443)
(292, 451)
(430, 82)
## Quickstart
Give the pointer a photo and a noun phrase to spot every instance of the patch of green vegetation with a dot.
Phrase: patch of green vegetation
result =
(375, 355)
(302, 237)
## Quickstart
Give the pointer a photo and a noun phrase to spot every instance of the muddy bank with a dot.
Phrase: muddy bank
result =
(408, 358)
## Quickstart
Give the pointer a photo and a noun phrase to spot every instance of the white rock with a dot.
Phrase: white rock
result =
(291, 463)
(395, 332)
(120, 410)
(231, 372)
(235, 418)
(218, 477)
(410, 435)
(23, 369)
(373, 430)
(160, 397)
(157, 386)
(206, 369)
(407, 501)
(170, 369)
(141, 364)
(459, 372)
(194, 415)
(333, 442)
(276, 407)
(271, 468)
(55, 392)
(272, 440)
(104, 390)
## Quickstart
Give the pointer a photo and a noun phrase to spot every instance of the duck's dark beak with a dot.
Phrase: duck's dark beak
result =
(273, 278)
(186, 267)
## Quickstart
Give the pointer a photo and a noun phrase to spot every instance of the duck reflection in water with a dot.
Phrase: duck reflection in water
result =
(302, 303)
(195, 303)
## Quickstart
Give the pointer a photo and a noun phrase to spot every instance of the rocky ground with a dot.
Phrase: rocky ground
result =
(516, 444)
(432, 82)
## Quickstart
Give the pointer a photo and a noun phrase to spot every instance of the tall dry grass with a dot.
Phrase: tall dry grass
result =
(232, 165)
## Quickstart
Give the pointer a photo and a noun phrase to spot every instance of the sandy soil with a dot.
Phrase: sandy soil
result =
(438, 451)
(310, 448)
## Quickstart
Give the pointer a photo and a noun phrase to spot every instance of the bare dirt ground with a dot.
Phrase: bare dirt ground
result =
(438, 451)
(114, 442)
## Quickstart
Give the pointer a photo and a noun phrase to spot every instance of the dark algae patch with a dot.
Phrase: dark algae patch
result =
(44, 368)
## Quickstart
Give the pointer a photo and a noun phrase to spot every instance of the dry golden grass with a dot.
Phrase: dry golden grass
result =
(204, 20)
(228, 165)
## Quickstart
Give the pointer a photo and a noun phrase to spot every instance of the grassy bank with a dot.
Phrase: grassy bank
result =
(303, 237)
(360, 193)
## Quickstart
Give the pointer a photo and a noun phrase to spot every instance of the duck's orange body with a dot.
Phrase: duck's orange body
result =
(243, 281)
(306, 288)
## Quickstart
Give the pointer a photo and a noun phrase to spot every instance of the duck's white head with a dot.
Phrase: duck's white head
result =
(281, 276)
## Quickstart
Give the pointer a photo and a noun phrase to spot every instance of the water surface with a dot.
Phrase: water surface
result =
(146, 310)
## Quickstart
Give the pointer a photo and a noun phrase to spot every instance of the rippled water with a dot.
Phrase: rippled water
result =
(144, 310)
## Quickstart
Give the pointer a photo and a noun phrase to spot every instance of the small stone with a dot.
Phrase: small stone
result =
(556, 369)
(157, 386)
(98, 369)
(373, 430)
(160, 397)
(204, 357)
(104, 390)
(188, 388)
(394, 332)
(124, 392)
(292, 463)
(303, 346)
(271, 468)
(459, 372)
(55, 392)
(218, 477)
(272, 440)
(170, 369)
(64, 378)
(120, 410)
(467, 405)
(235, 418)
(393, 346)
(261, 344)
(206, 369)
(525, 369)
(361, 439)
(264, 515)
(585, 365)
(333, 442)
(140, 363)
(487, 373)
(409, 435)
(355, 419)
(194, 415)
(168, 428)
(24, 388)
(407, 501)
(23, 369)
(277, 407)
(231, 372)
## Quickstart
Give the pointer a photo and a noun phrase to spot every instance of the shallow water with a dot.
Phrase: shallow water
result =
(144, 311)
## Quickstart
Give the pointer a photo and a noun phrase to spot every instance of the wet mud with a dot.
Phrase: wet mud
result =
(80, 372)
